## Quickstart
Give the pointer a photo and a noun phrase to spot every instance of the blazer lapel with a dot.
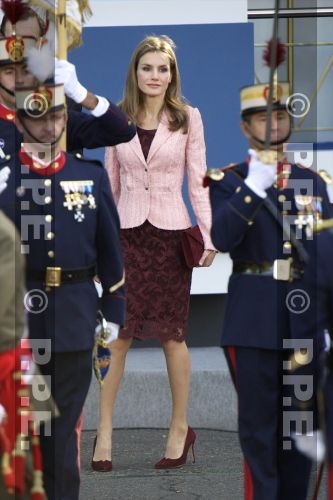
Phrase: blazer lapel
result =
(162, 135)
(136, 147)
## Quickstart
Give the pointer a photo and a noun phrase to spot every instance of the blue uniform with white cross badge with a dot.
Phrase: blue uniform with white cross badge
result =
(70, 238)
(70, 230)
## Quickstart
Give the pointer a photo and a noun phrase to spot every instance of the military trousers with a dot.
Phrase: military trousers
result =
(273, 468)
(70, 376)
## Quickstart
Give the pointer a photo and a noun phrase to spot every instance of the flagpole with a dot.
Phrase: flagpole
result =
(62, 48)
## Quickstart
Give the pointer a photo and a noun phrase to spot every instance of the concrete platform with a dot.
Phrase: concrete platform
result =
(144, 399)
(216, 475)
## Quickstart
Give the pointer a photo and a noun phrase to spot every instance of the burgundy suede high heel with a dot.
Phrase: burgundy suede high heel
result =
(171, 463)
(100, 465)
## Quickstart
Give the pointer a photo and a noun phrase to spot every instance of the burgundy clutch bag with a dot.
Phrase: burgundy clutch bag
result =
(193, 246)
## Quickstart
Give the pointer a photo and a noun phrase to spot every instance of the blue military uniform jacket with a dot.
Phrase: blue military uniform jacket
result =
(68, 219)
(256, 313)
(83, 130)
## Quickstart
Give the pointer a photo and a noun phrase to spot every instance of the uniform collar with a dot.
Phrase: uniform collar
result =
(6, 113)
(41, 168)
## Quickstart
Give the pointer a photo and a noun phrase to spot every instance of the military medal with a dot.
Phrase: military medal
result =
(77, 195)
(310, 212)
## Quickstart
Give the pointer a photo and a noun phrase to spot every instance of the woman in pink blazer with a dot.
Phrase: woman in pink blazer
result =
(146, 176)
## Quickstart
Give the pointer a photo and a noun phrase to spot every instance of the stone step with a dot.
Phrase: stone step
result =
(144, 398)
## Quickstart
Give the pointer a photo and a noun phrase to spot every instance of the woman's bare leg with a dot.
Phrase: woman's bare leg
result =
(119, 349)
(179, 370)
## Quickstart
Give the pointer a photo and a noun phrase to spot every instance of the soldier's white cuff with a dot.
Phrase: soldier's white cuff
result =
(101, 108)
(113, 329)
(255, 189)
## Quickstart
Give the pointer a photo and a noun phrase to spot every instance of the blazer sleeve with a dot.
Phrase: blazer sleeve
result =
(196, 167)
(113, 167)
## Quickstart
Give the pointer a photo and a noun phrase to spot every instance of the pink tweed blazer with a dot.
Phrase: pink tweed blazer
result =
(152, 189)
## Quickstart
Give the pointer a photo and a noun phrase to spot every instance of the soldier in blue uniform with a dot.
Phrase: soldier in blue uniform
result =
(107, 125)
(69, 228)
(262, 213)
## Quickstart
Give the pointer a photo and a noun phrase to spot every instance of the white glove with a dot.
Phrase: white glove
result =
(111, 330)
(4, 174)
(260, 176)
(311, 445)
(65, 72)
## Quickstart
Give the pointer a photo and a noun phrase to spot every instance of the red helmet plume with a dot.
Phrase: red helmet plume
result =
(13, 9)
(280, 53)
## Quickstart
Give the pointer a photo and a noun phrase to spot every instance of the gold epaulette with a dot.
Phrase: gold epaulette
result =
(216, 174)
(325, 176)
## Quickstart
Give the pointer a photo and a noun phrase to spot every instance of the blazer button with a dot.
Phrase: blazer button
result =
(146, 189)
(146, 169)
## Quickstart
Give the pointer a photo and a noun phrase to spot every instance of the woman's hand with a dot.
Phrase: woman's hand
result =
(207, 258)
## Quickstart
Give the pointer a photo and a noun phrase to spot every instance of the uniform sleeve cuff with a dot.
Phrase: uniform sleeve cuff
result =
(255, 189)
(101, 108)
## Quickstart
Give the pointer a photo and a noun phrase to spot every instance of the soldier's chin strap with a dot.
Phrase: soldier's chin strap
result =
(10, 92)
(272, 143)
(37, 141)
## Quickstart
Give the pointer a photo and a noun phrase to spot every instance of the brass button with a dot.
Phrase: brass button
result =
(248, 199)
(47, 182)
(8, 157)
(129, 122)
(250, 223)
(287, 245)
(78, 155)
(282, 198)
(238, 189)
(47, 200)
(50, 236)
(50, 254)
(20, 191)
(48, 218)
(55, 165)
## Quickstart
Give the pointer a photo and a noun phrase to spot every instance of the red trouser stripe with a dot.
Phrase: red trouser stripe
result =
(330, 481)
(248, 483)
(78, 430)
(232, 358)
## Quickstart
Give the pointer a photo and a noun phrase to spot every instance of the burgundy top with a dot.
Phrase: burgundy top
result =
(146, 138)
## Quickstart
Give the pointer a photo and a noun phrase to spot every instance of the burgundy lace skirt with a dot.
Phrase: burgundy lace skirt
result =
(157, 283)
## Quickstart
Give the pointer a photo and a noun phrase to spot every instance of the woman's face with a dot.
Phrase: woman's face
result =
(153, 74)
